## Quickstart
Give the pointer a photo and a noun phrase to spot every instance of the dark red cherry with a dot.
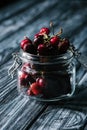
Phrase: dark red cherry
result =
(25, 41)
(25, 78)
(36, 35)
(35, 88)
(63, 45)
(44, 30)
(29, 48)
(41, 82)
(52, 50)
(42, 50)
(29, 92)
(25, 66)
(38, 40)
(54, 40)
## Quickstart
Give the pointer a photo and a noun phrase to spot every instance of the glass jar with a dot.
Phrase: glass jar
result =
(46, 78)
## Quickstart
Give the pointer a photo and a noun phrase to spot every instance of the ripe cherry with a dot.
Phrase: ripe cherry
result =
(52, 50)
(44, 30)
(25, 78)
(29, 48)
(35, 88)
(42, 49)
(25, 66)
(36, 35)
(63, 45)
(29, 92)
(54, 40)
(25, 41)
(41, 82)
(38, 40)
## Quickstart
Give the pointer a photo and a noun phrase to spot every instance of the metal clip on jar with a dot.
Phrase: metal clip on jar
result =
(46, 78)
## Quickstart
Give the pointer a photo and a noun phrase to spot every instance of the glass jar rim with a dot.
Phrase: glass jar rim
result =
(66, 56)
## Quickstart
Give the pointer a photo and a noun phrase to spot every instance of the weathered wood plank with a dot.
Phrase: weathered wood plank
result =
(18, 113)
(59, 118)
(14, 8)
(20, 20)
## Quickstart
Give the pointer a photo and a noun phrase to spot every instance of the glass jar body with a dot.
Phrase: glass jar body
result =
(47, 78)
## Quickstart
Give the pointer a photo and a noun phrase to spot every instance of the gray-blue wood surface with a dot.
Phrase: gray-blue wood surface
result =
(26, 17)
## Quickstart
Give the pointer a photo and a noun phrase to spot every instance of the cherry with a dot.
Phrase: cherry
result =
(54, 40)
(41, 82)
(25, 41)
(35, 88)
(63, 45)
(29, 92)
(25, 66)
(29, 48)
(52, 50)
(42, 49)
(44, 30)
(36, 35)
(25, 78)
(38, 40)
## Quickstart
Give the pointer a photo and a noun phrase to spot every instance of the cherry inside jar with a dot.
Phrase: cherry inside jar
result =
(46, 78)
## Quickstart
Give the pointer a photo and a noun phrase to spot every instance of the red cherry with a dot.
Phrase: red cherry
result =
(25, 78)
(41, 82)
(29, 92)
(29, 48)
(36, 35)
(42, 49)
(35, 88)
(25, 41)
(63, 46)
(54, 40)
(38, 40)
(25, 66)
(44, 30)
(53, 50)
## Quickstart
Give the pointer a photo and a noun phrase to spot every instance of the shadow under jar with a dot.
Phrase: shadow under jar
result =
(54, 76)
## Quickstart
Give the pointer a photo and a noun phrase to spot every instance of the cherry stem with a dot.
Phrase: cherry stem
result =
(60, 32)
(52, 27)
(25, 37)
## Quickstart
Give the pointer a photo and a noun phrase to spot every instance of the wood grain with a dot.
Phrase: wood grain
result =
(26, 18)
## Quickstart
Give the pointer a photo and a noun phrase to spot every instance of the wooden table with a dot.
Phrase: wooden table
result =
(26, 17)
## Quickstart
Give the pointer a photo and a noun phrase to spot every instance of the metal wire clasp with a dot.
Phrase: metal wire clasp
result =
(16, 64)
(75, 51)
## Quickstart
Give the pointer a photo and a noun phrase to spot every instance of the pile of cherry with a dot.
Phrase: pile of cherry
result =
(42, 45)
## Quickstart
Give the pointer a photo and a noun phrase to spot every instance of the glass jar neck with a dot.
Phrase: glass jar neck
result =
(62, 59)
(47, 63)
